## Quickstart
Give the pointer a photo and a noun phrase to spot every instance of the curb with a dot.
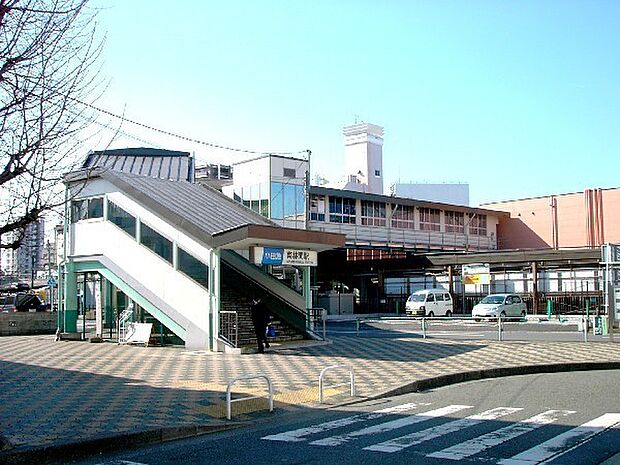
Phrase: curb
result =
(72, 450)
(487, 373)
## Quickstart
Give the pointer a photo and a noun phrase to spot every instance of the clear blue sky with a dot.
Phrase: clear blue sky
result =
(516, 98)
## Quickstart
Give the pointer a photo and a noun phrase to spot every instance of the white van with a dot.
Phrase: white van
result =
(430, 302)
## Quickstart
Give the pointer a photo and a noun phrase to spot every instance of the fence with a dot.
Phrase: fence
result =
(565, 303)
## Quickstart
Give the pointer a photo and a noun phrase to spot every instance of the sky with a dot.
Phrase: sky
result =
(516, 98)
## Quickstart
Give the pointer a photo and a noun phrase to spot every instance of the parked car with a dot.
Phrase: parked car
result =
(430, 302)
(22, 302)
(500, 305)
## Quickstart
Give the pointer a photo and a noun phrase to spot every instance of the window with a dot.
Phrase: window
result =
(288, 202)
(377, 173)
(402, 216)
(478, 225)
(122, 219)
(429, 219)
(317, 207)
(156, 242)
(193, 267)
(341, 210)
(289, 172)
(430, 298)
(373, 213)
(87, 209)
(454, 222)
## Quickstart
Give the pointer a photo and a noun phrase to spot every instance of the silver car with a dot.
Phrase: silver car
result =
(500, 305)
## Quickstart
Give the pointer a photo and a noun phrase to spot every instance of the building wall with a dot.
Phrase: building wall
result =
(582, 219)
(457, 194)
(28, 258)
(360, 234)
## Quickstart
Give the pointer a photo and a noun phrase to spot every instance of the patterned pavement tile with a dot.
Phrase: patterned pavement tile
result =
(58, 391)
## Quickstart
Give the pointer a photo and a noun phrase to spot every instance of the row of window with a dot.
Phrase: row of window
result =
(186, 263)
(342, 210)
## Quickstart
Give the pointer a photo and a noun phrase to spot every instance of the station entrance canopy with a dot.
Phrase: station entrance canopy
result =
(256, 238)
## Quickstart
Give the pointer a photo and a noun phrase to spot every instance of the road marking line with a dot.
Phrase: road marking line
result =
(390, 425)
(299, 434)
(398, 444)
(565, 442)
(121, 462)
(495, 438)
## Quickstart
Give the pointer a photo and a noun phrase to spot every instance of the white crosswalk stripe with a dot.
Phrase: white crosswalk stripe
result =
(565, 442)
(390, 425)
(500, 436)
(299, 434)
(398, 444)
(539, 454)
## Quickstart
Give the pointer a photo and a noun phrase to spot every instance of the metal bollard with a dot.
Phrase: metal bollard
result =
(499, 328)
(585, 329)
(357, 326)
(324, 316)
(423, 328)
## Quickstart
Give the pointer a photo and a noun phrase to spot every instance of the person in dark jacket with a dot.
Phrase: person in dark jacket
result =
(260, 319)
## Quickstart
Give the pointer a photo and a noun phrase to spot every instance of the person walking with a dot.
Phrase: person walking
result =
(260, 319)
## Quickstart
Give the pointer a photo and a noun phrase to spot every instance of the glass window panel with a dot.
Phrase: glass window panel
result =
(193, 267)
(79, 211)
(277, 202)
(289, 200)
(95, 208)
(122, 219)
(156, 242)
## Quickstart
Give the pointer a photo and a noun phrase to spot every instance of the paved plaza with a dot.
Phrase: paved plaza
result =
(56, 393)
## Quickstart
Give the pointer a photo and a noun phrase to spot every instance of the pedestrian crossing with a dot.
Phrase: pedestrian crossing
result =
(470, 434)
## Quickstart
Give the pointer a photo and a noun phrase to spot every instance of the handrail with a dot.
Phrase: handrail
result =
(334, 367)
(229, 331)
(312, 316)
(259, 277)
(229, 386)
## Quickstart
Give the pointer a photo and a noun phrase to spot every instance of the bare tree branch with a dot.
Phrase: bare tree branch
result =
(49, 50)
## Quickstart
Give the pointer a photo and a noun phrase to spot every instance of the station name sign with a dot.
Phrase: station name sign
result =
(281, 256)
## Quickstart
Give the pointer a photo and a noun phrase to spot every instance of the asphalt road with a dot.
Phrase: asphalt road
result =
(561, 418)
(464, 330)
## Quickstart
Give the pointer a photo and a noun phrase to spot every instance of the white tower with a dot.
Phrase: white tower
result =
(363, 152)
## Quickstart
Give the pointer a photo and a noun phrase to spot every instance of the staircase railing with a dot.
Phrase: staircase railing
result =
(229, 327)
(123, 327)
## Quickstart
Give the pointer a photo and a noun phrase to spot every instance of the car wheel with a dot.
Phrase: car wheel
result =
(448, 313)
(523, 314)
(431, 314)
(502, 315)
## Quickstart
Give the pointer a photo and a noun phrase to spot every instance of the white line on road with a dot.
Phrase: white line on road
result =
(565, 442)
(500, 436)
(299, 434)
(398, 444)
(121, 462)
(390, 425)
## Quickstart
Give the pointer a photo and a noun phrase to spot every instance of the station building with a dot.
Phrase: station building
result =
(190, 257)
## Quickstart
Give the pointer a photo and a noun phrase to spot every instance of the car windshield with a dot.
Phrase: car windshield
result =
(417, 297)
(493, 299)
